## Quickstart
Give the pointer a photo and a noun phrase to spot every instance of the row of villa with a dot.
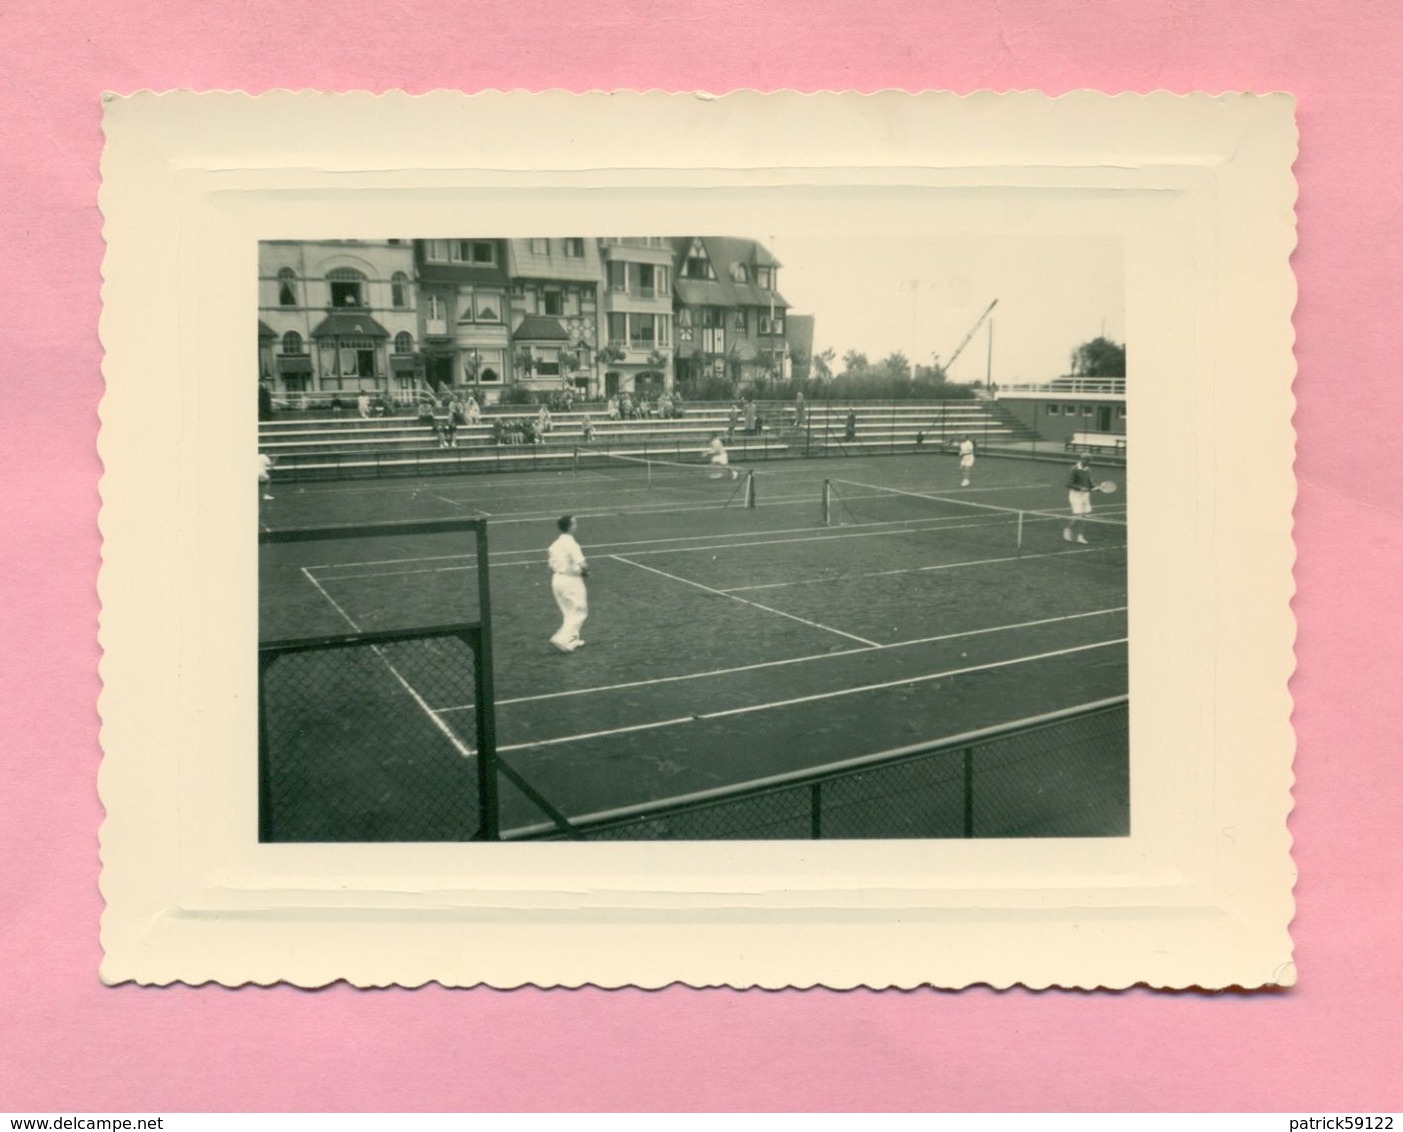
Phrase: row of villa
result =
(595, 316)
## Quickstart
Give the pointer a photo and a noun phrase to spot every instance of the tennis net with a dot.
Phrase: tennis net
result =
(942, 521)
(725, 485)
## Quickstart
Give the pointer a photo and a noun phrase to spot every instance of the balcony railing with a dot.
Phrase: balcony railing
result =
(1099, 386)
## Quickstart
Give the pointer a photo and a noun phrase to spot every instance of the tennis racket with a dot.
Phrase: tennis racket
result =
(1107, 486)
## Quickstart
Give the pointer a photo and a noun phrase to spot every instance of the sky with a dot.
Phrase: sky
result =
(921, 294)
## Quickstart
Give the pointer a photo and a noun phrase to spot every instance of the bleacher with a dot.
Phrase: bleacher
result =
(325, 445)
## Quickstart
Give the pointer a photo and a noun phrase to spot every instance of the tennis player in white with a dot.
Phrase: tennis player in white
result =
(567, 583)
(720, 458)
(966, 460)
(1079, 489)
(265, 474)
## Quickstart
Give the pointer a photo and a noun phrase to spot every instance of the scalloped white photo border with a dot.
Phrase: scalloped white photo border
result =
(1198, 187)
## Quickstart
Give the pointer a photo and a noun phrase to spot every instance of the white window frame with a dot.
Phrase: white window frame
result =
(287, 278)
(477, 298)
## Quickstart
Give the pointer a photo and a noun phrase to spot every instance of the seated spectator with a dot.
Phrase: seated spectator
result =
(611, 408)
(587, 428)
(474, 410)
(543, 421)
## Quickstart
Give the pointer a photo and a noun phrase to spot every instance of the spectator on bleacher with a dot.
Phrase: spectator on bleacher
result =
(799, 410)
(611, 408)
(363, 405)
(448, 435)
(665, 406)
(677, 407)
(474, 413)
(378, 406)
(543, 421)
(426, 413)
(752, 417)
(850, 425)
(587, 429)
(731, 421)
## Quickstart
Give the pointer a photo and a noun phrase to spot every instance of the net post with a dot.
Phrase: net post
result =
(575, 460)
(1020, 532)
(750, 490)
(827, 498)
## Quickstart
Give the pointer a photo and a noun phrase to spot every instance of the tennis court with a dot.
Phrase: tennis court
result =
(861, 605)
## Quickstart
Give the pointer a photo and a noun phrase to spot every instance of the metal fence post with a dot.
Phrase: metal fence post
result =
(816, 811)
(265, 755)
(484, 692)
(969, 791)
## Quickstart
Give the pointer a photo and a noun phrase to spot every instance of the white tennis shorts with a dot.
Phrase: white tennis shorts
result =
(967, 461)
(1080, 502)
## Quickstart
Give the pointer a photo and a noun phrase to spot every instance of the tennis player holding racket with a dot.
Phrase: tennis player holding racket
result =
(1080, 485)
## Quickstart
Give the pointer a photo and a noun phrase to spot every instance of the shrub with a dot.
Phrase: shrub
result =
(516, 395)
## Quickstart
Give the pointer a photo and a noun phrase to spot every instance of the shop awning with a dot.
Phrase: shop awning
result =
(349, 325)
(540, 328)
(405, 364)
(295, 363)
(265, 332)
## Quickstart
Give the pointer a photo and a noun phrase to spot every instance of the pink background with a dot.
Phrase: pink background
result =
(67, 1043)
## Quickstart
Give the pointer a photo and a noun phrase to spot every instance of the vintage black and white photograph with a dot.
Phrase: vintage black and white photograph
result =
(696, 536)
(714, 563)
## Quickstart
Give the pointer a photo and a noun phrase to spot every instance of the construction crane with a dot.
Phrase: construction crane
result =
(960, 348)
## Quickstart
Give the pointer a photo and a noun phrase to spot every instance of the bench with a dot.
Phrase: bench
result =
(1096, 442)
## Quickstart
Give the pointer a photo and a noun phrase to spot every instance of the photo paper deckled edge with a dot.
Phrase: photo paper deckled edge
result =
(172, 916)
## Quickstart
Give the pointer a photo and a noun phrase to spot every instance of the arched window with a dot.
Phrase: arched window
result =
(287, 287)
(399, 289)
(347, 287)
(292, 343)
(404, 343)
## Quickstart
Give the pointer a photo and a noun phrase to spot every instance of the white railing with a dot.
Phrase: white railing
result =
(1105, 386)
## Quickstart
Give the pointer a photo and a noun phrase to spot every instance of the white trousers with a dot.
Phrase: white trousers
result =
(570, 596)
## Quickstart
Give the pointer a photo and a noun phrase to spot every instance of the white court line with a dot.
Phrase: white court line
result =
(794, 659)
(437, 720)
(745, 601)
(809, 699)
(916, 569)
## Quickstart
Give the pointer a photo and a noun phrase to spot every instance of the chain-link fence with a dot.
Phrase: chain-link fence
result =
(372, 737)
(1065, 774)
